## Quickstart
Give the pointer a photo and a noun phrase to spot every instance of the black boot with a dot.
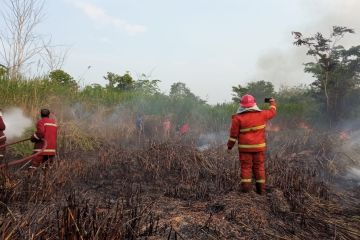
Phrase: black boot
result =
(260, 188)
(246, 187)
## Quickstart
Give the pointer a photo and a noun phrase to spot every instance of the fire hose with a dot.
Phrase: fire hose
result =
(25, 159)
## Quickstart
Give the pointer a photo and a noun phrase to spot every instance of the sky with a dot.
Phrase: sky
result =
(210, 45)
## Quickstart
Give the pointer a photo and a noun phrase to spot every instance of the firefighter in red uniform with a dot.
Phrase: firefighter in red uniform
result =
(46, 129)
(248, 128)
(2, 137)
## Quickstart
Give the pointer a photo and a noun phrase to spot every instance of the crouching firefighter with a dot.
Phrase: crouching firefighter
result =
(248, 128)
(46, 129)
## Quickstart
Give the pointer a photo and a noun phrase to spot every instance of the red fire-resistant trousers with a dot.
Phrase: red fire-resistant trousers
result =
(252, 162)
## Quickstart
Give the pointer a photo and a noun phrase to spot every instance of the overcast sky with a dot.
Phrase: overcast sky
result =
(211, 45)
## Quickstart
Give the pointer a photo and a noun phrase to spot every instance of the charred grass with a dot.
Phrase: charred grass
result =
(171, 190)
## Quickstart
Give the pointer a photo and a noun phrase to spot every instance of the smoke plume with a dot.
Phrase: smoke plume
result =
(354, 174)
(206, 141)
(284, 66)
(16, 123)
(352, 149)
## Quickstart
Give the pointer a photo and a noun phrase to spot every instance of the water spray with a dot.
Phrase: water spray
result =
(16, 123)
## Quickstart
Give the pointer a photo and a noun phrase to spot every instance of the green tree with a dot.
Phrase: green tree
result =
(296, 105)
(336, 70)
(62, 78)
(147, 86)
(95, 87)
(116, 81)
(179, 90)
(259, 89)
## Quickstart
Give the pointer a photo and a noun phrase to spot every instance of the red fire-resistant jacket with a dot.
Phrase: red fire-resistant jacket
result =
(46, 128)
(248, 128)
(2, 135)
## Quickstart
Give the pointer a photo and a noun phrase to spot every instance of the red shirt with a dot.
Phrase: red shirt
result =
(248, 128)
(185, 128)
(46, 128)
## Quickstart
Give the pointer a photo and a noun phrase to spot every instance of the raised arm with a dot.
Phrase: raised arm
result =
(271, 112)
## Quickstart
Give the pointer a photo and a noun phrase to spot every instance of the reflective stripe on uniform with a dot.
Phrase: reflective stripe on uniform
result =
(1, 155)
(46, 150)
(252, 128)
(246, 180)
(260, 181)
(49, 150)
(232, 139)
(3, 136)
(50, 124)
(252, 145)
(273, 107)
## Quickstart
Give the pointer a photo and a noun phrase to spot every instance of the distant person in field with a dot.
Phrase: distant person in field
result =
(2, 136)
(248, 128)
(46, 129)
(167, 128)
(139, 123)
(185, 128)
(177, 129)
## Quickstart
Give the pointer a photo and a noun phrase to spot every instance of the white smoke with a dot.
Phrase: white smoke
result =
(354, 174)
(206, 141)
(352, 149)
(16, 123)
(284, 66)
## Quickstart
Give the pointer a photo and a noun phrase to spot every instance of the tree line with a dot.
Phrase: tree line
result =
(333, 95)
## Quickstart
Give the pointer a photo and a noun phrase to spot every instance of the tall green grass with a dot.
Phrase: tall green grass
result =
(31, 95)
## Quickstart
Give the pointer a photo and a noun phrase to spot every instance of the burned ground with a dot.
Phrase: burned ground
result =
(171, 190)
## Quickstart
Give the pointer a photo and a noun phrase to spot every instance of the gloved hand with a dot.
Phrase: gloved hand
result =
(34, 139)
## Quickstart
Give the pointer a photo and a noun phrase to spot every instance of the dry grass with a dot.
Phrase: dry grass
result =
(173, 191)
